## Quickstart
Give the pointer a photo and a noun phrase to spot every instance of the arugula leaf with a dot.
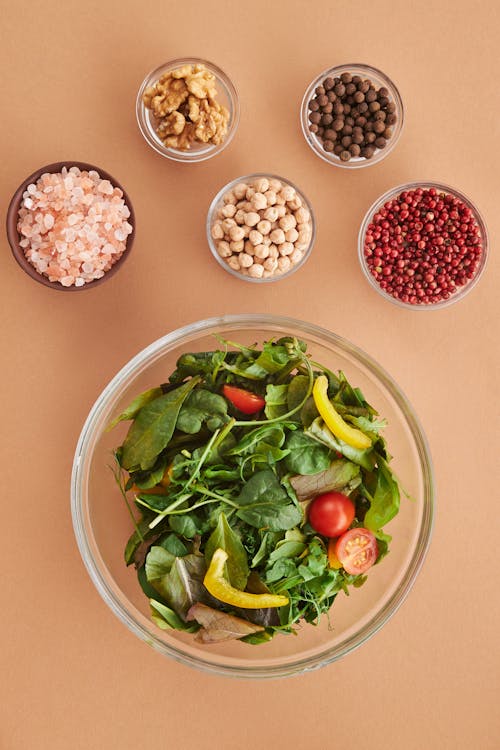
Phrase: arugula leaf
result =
(276, 401)
(202, 407)
(265, 503)
(135, 406)
(153, 427)
(340, 475)
(236, 566)
(306, 456)
(385, 503)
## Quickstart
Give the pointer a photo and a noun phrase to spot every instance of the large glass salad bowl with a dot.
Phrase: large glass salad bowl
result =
(102, 522)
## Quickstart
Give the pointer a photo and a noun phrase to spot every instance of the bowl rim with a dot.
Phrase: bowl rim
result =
(78, 508)
(313, 142)
(425, 184)
(188, 157)
(218, 198)
(14, 239)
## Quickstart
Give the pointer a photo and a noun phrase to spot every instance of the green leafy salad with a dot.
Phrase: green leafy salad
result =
(259, 484)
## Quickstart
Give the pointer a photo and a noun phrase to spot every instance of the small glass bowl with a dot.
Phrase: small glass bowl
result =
(393, 193)
(218, 203)
(227, 96)
(376, 77)
(14, 237)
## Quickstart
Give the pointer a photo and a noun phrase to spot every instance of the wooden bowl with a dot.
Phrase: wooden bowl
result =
(14, 237)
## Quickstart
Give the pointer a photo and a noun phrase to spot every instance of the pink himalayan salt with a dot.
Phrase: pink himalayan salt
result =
(73, 226)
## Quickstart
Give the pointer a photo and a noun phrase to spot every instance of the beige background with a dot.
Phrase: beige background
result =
(72, 675)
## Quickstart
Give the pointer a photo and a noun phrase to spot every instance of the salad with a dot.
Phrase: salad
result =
(259, 484)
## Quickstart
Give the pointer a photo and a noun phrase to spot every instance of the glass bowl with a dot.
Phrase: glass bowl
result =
(441, 188)
(102, 524)
(380, 80)
(14, 237)
(218, 202)
(227, 96)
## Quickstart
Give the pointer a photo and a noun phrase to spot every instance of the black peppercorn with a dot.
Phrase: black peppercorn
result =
(327, 119)
(347, 129)
(359, 97)
(338, 108)
(380, 142)
(345, 155)
(346, 77)
(350, 88)
(379, 126)
(370, 95)
(322, 100)
(374, 106)
(315, 117)
(340, 89)
(338, 124)
(354, 149)
(328, 84)
(328, 145)
(346, 141)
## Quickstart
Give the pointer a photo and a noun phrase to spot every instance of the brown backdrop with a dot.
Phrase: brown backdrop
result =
(73, 676)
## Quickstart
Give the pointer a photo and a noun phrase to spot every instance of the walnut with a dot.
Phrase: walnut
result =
(184, 103)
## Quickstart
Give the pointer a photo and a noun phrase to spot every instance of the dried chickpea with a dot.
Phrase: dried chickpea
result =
(261, 184)
(302, 215)
(286, 248)
(245, 260)
(281, 209)
(284, 264)
(237, 246)
(264, 226)
(275, 184)
(295, 203)
(277, 236)
(288, 193)
(239, 216)
(271, 264)
(271, 213)
(227, 224)
(229, 198)
(296, 256)
(258, 201)
(262, 251)
(270, 196)
(287, 222)
(240, 190)
(234, 263)
(291, 235)
(229, 210)
(255, 237)
(236, 233)
(280, 201)
(252, 218)
(223, 249)
(217, 231)
(249, 248)
(250, 192)
(256, 271)
(273, 252)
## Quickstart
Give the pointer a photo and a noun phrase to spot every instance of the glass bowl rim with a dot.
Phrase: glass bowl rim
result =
(380, 154)
(217, 199)
(190, 157)
(425, 184)
(78, 508)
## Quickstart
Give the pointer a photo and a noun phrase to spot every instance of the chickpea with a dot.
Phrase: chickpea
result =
(296, 256)
(271, 213)
(295, 203)
(302, 215)
(284, 264)
(251, 219)
(245, 260)
(227, 224)
(249, 248)
(250, 192)
(273, 252)
(262, 251)
(217, 231)
(277, 236)
(256, 271)
(229, 210)
(223, 249)
(236, 233)
(264, 226)
(281, 211)
(234, 263)
(280, 201)
(246, 230)
(286, 248)
(288, 193)
(237, 246)
(255, 237)
(229, 198)
(270, 197)
(291, 235)
(259, 201)
(287, 222)
(275, 185)
(271, 264)
(240, 190)
(261, 184)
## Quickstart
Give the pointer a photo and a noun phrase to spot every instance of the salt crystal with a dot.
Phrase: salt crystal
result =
(79, 281)
(74, 170)
(107, 225)
(94, 175)
(72, 219)
(87, 267)
(120, 235)
(70, 235)
(28, 203)
(67, 280)
(24, 243)
(61, 247)
(48, 220)
(31, 189)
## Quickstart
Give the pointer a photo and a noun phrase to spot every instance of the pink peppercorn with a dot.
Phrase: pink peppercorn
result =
(408, 250)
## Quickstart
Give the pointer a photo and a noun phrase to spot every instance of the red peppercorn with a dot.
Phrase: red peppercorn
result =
(408, 248)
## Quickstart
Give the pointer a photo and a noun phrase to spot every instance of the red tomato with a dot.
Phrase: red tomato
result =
(245, 401)
(331, 514)
(357, 550)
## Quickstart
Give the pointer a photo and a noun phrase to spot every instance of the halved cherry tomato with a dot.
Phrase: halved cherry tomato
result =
(331, 513)
(246, 401)
(357, 550)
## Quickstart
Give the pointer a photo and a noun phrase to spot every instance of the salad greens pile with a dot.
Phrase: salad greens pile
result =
(206, 476)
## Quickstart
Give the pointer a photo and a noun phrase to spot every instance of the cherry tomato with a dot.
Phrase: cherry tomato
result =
(246, 401)
(357, 550)
(331, 514)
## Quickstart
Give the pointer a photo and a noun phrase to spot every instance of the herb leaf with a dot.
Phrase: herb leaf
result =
(306, 456)
(135, 406)
(202, 407)
(264, 503)
(385, 504)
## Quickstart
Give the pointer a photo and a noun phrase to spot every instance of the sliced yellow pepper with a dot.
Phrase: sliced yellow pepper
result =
(219, 587)
(333, 420)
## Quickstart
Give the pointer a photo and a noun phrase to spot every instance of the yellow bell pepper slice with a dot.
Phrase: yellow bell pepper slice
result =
(333, 420)
(222, 590)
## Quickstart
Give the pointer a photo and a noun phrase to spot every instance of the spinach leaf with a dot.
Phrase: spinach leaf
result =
(270, 360)
(199, 363)
(385, 504)
(309, 412)
(186, 525)
(135, 406)
(297, 389)
(276, 401)
(383, 541)
(340, 475)
(202, 407)
(319, 431)
(173, 544)
(273, 434)
(167, 619)
(236, 565)
(145, 480)
(158, 563)
(153, 427)
(264, 503)
(306, 455)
